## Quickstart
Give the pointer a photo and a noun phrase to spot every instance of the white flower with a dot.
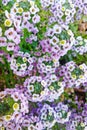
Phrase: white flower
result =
(67, 12)
(79, 38)
(43, 116)
(30, 67)
(70, 32)
(85, 1)
(43, 83)
(15, 96)
(2, 94)
(85, 40)
(50, 32)
(48, 67)
(9, 15)
(51, 1)
(71, 67)
(32, 3)
(57, 29)
(85, 128)
(23, 66)
(82, 124)
(53, 78)
(72, 39)
(10, 46)
(54, 40)
(30, 88)
(35, 97)
(36, 18)
(13, 61)
(13, 10)
(26, 15)
(34, 10)
(31, 127)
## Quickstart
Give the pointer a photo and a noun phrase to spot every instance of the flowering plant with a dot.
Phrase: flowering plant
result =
(43, 64)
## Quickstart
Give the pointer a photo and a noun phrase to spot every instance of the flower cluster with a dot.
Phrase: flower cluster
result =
(22, 63)
(12, 108)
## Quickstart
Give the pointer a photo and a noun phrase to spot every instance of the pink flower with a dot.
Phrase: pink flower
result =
(15, 96)
(3, 42)
(26, 15)
(2, 94)
(17, 117)
(16, 39)
(36, 19)
(10, 33)
(10, 46)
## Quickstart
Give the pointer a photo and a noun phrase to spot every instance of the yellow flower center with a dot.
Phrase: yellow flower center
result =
(62, 42)
(82, 124)
(24, 59)
(63, 8)
(74, 76)
(42, 92)
(15, 106)
(51, 88)
(7, 117)
(59, 83)
(2, 128)
(81, 76)
(81, 43)
(18, 64)
(32, 3)
(8, 23)
(81, 67)
(69, 32)
(16, 4)
(20, 10)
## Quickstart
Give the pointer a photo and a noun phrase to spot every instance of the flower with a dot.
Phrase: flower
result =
(26, 15)
(7, 117)
(70, 32)
(57, 29)
(15, 106)
(31, 127)
(73, 76)
(10, 46)
(62, 42)
(34, 10)
(67, 12)
(20, 10)
(85, 128)
(2, 128)
(50, 32)
(30, 88)
(8, 23)
(63, 8)
(10, 33)
(54, 40)
(3, 42)
(2, 94)
(43, 83)
(36, 18)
